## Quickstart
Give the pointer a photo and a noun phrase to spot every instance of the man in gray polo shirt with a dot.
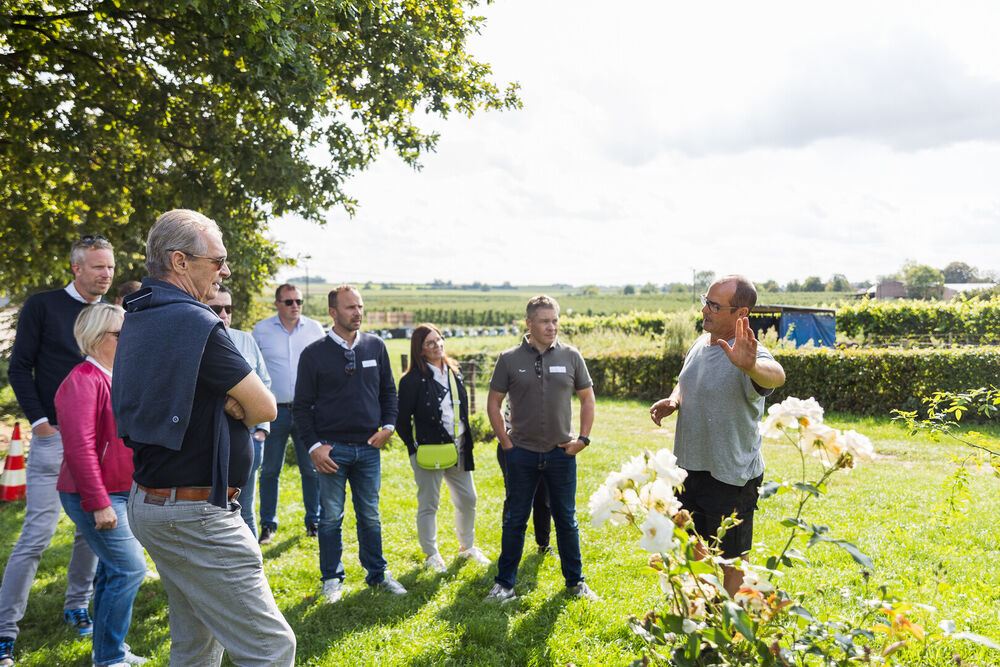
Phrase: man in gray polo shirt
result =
(719, 400)
(539, 378)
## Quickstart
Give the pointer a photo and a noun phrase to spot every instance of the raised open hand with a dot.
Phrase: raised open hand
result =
(743, 352)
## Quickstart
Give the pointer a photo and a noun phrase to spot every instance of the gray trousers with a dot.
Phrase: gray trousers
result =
(463, 496)
(40, 518)
(213, 572)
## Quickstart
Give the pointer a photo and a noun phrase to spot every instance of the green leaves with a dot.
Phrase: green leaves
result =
(115, 112)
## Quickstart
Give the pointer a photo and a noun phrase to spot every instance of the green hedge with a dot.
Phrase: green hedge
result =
(980, 319)
(858, 380)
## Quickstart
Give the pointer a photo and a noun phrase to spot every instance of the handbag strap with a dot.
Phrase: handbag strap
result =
(456, 404)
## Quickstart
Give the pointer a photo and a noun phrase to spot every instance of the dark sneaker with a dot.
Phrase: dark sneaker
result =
(266, 534)
(312, 530)
(79, 619)
(545, 549)
(6, 651)
(501, 593)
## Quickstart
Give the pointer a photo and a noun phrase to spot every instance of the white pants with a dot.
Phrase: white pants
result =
(463, 496)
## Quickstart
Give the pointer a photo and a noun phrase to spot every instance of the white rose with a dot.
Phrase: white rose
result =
(657, 534)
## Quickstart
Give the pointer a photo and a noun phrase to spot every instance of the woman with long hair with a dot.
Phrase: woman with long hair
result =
(95, 480)
(434, 412)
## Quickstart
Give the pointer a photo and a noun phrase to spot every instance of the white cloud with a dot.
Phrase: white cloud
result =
(778, 139)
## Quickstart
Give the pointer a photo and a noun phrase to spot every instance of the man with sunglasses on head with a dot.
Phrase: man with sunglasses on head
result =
(222, 305)
(281, 339)
(539, 378)
(346, 408)
(719, 400)
(44, 353)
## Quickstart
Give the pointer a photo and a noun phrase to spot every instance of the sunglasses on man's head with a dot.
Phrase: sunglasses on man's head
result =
(218, 309)
(90, 239)
(289, 302)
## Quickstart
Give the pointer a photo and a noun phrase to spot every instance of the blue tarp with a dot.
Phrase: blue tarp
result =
(821, 328)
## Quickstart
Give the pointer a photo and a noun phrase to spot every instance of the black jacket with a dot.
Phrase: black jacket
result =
(420, 411)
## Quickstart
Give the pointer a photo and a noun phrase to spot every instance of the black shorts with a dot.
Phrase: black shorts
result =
(709, 501)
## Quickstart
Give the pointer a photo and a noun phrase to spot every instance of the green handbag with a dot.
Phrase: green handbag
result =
(439, 457)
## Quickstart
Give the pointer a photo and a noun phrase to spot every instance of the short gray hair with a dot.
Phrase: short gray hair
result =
(538, 302)
(179, 229)
(93, 322)
(78, 251)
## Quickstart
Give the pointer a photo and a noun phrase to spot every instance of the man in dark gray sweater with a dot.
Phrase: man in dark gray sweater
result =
(345, 406)
(44, 353)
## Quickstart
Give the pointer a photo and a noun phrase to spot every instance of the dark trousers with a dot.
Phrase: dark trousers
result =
(541, 512)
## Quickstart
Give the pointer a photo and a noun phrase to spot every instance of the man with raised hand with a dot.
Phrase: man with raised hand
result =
(346, 408)
(281, 339)
(222, 305)
(719, 400)
(184, 399)
(44, 353)
(539, 378)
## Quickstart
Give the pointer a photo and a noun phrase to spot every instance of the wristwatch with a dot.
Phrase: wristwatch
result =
(584, 439)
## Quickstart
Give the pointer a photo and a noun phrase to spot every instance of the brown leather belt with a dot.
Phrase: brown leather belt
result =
(188, 492)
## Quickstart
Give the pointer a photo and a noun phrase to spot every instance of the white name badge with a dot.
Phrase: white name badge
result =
(368, 363)
(557, 369)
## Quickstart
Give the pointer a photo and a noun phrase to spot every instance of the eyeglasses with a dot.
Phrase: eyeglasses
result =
(350, 366)
(538, 365)
(218, 309)
(434, 343)
(714, 307)
(289, 302)
(116, 334)
(91, 239)
(219, 261)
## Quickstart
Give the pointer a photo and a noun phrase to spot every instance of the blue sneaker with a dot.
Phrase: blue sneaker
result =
(6, 651)
(79, 619)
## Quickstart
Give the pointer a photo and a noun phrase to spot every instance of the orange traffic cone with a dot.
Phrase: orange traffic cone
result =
(12, 479)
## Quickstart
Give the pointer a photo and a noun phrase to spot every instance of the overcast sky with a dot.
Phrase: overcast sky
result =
(780, 140)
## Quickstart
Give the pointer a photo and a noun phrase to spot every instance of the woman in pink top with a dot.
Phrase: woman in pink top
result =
(95, 480)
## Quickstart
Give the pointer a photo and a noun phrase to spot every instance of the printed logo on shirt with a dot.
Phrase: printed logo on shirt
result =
(368, 363)
(557, 369)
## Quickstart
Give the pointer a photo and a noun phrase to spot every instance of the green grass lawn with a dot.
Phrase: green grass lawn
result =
(950, 561)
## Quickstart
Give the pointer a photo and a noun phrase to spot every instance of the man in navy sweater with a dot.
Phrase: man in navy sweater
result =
(44, 353)
(345, 406)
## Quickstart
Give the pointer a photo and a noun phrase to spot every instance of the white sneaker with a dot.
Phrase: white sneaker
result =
(333, 589)
(582, 591)
(501, 593)
(436, 563)
(475, 555)
(133, 659)
(390, 585)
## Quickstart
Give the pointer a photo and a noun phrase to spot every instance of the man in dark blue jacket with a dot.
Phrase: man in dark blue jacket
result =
(184, 399)
(345, 406)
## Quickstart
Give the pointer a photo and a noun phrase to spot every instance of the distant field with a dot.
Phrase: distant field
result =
(500, 307)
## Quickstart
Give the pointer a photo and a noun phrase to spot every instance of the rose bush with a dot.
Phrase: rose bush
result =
(699, 623)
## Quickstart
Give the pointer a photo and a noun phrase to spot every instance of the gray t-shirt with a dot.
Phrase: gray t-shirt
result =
(539, 389)
(720, 409)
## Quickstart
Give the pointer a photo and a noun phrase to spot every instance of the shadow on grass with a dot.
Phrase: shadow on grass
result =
(482, 625)
(318, 625)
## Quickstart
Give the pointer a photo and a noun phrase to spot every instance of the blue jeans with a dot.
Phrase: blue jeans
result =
(120, 570)
(274, 461)
(524, 470)
(247, 492)
(361, 465)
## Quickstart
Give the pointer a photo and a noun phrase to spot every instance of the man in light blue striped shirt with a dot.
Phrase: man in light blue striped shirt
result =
(281, 339)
